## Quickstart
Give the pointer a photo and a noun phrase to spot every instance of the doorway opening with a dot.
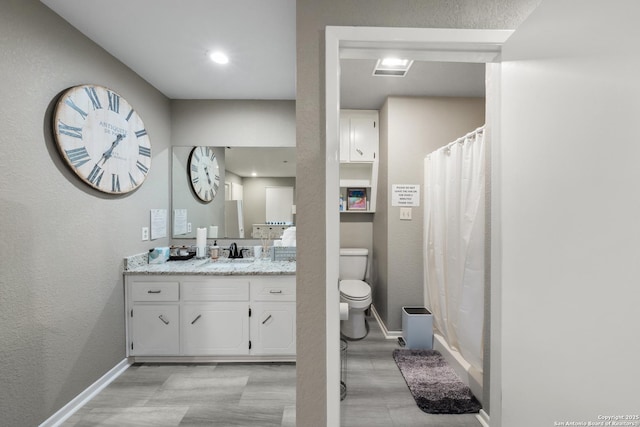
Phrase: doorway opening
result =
(434, 45)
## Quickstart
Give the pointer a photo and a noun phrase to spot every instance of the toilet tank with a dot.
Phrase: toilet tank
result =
(353, 263)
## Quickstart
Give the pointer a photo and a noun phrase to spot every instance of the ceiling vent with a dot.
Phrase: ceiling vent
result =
(392, 67)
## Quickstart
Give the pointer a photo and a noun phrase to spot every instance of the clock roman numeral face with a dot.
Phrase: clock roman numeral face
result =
(114, 102)
(204, 173)
(102, 139)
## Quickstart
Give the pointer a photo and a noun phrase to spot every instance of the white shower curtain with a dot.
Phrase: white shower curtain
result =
(454, 243)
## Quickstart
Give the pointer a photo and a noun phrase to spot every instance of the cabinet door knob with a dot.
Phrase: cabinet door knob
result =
(165, 321)
(196, 319)
(265, 320)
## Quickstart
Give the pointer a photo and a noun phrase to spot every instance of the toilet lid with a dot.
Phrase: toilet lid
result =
(354, 289)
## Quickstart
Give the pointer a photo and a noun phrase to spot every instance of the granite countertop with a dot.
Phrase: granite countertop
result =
(222, 267)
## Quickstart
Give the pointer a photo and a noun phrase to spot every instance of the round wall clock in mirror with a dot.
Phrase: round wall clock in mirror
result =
(102, 139)
(204, 173)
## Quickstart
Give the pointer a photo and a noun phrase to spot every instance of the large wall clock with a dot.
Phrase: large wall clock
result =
(102, 138)
(204, 173)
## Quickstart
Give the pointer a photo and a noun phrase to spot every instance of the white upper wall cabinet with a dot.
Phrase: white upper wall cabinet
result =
(358, 135)
(359, 145)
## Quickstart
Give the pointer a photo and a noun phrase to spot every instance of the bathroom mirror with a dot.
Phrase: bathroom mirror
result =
(244, 198)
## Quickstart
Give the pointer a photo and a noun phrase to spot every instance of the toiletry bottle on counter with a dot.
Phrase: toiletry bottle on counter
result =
(215, 250)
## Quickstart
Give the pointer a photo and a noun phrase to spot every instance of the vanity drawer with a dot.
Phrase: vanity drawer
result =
(277, 288)
(227, 289)
(155, 291)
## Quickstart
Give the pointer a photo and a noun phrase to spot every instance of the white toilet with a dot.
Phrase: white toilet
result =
(354, 291)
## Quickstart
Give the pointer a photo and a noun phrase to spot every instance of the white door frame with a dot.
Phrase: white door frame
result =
(452, 45)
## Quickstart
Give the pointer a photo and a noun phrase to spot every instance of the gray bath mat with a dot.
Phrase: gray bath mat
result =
(434, 384)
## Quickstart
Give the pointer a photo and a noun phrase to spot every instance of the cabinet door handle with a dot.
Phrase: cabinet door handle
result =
(275, 292)
(153, 292)
(196, 319)
(265, 320)
(359, 151)
(165, 321)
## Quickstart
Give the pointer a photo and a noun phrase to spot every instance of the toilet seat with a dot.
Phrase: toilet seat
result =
(355, 290)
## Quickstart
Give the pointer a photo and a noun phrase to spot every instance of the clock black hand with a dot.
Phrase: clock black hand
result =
(107, 154)
(206, 170)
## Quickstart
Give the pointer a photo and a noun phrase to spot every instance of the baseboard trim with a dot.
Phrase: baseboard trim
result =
(483, 417)
(211, 359)
(390, 335)
(86, 395)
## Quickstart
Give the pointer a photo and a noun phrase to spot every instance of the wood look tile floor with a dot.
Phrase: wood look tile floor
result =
(258, 394)
(171, 395)
(377, 394)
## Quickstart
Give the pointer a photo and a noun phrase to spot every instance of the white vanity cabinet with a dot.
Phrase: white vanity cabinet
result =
(215, 316)
(273, 317)
(215, 328)
(210, 317)
(156, 329)
(156, 325)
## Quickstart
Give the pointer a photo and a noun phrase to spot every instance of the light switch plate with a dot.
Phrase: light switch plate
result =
(145, 233)
(188, 227)
(405, 214)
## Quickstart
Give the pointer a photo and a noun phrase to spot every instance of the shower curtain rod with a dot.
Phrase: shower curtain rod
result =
(479, 130)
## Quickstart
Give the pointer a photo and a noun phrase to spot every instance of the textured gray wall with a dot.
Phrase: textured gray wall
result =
(415, 128)
(233, 123)
(312, 17)
(61, 287)
(380, 257)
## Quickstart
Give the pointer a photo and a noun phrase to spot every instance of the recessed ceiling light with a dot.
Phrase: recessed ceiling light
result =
(254, 174)
(219, 57)
(393, 67)
(394, 62)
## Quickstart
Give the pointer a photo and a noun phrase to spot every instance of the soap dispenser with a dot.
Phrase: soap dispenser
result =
(215, 250)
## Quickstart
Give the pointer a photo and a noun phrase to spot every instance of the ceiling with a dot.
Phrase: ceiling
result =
(265, 161)
(166, 43)
(360, 89)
